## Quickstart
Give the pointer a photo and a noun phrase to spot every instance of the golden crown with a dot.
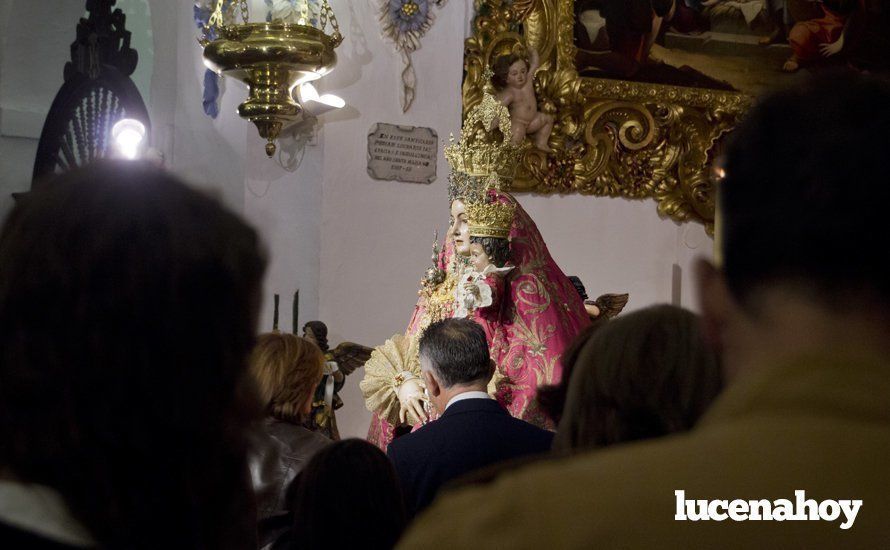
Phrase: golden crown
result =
(490, 219)
(482, 159)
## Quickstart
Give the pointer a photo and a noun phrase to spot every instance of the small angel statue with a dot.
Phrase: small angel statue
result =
(606, 306)
(339, 362)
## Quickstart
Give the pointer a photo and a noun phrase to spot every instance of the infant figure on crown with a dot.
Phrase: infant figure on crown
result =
(494, 268)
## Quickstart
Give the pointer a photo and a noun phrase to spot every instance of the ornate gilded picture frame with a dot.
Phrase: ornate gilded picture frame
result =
(611, 137)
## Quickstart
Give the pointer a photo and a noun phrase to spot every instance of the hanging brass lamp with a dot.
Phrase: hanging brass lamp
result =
(272, 58)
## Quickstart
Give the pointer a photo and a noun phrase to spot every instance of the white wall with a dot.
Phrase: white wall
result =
(31, 68)
(138, 21)
(286, 207)
(617, 245)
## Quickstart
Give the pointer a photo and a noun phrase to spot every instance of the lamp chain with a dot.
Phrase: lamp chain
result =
(245, 15)
(230, 12)
(216, 18)
(327, 14)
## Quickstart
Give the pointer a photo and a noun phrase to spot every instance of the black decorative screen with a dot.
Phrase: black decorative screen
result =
(96, 94)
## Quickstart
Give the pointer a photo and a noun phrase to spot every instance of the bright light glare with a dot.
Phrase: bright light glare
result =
(308, 93)
(316, 105)
(309, 76)
(128, 135)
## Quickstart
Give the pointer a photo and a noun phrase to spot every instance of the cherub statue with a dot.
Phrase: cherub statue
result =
(339, 362)
(513, 82)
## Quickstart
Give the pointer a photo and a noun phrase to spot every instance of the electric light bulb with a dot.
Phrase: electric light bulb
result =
(128, 135)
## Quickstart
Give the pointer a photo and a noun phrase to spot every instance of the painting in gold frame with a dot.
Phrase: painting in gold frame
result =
(612, 137)
(643, 92)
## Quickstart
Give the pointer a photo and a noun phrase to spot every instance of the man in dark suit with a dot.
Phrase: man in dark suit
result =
(473, 430)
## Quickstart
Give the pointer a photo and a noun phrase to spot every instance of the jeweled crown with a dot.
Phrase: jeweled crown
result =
(484, 157)
(490, 219)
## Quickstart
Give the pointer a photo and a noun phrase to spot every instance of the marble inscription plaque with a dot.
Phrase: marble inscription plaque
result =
(402, 153)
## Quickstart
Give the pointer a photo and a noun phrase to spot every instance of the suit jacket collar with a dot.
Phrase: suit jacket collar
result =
(467, 395)
(473, 405)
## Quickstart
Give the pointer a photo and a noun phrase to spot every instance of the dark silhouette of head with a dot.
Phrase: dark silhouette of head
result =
(802, 228)
(348, 496)
(645, 374)
(319, 333)
(804, 197)
(128, 304)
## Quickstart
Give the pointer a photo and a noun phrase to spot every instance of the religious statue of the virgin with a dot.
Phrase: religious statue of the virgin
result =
(493, 268)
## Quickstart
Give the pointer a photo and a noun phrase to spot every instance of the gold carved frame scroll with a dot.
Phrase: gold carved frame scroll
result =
(611, 138)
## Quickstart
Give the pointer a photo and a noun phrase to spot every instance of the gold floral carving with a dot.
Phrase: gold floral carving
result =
(611, 138)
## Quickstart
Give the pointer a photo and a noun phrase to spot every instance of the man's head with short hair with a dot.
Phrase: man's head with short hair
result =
(802, 212)
(454, 358)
